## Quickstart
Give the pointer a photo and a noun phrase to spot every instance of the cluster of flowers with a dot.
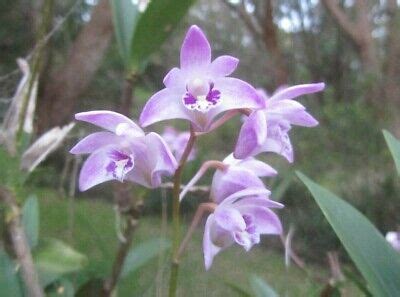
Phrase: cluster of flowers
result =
(201, 92)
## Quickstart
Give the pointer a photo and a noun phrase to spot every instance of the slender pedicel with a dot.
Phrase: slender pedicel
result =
(203, 169)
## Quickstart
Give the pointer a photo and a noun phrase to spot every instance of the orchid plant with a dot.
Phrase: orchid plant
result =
(201, 92)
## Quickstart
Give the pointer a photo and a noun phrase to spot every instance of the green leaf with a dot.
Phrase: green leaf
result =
(355, 279)
(394, 147)
(9, 282)
(261, 288)
(30, 220)
(10, 174)
(238, 289)
(153, 28)
(142, 254)
(125, 16)
(53, 258)
(377, 261)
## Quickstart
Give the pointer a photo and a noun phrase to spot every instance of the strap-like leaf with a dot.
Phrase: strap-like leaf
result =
(377, 261)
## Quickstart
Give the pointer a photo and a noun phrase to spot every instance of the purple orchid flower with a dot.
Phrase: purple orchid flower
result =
(124, 152)
(177, 142)
(241, 218)
(266, 130)
(199, 90)
(239, 175)
(393, 238)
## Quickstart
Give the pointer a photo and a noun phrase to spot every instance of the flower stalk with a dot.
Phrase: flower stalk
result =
(175, 214)
(20, 245)
(132, 217)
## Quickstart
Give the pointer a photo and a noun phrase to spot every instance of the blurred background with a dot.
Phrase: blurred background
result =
(352, 45)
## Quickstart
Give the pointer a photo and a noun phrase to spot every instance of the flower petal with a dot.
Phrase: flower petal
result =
(252, 135)
(248, 192)
(278, 142)
(302, 118)
(235, 94)
(153, 160)
(258, 201)
(259, 168)
(166, 162)
(291, 111)
(174, 79)
(296, 91)
(108, 120)
(93, 142)
(229, 219)
(209, 248)
(164, 105)
(223, 66)
(94, 171)
(232, 180)
(266, 221)
(196, 50)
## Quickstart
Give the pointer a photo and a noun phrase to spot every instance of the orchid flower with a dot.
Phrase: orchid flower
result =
(238, 175)
(231, 175)
(266, 130)
(177, 142)
(394, 239)
(241, 218)
(123, 152)
(199, 90)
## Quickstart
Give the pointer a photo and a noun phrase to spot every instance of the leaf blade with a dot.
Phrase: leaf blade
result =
(30, 220)
(143, 253)
(394, 147)
(153, 28)
(53, 258)
(9, 283)
(375, 259)
(125, 16)
(261, 288)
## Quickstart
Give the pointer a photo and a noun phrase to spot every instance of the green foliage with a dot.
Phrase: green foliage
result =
(9, 282)
(153, 28)
(376, 260)
(125, 16)
(261, 288)
(30, 220)
(54, 258)
(394, 147)
(10, 175)
(142, 254)
(141, 34)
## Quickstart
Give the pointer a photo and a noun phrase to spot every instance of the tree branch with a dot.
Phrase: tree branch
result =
(343, 21)
(250, 22)
(20, 245)
(71, 80)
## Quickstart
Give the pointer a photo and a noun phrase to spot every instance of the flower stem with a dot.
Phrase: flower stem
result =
(132, 216)
(201, 210)
(203, 169)
(175, 214)
(20, 245)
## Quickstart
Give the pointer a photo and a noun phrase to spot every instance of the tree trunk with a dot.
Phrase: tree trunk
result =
(392, 64)
(366, 44)
(271, 41)
(61, 93)
(359, 32)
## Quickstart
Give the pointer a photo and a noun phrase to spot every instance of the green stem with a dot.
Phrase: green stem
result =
(175, 215)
